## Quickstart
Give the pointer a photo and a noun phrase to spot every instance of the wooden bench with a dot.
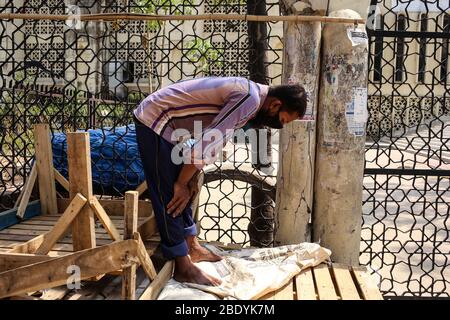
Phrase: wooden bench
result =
(323, 282)
(334, 282)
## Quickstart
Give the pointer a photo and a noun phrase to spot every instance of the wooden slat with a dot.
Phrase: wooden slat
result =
(130, 223)
(148, 227)
(62, 225)
(104, 219)
(28, 188)
(80, 179)
(284, 293)
(325, 286)
(113, 207)
(305, 287)
(154, 289)
(142, 187)
(62, 180)
(29, 246)
(144, 257)
(10, 261)
(367, 284)
(52, 273)
(33, 233)
(44, 165)
(345, 284)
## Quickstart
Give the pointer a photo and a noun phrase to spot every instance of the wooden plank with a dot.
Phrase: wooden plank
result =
(22, 239)
(142, 188)
(62, 181)
(305, 287)
(148, 227)
(9, 217)
(113, 207)
(104, 219)
(345, 285)
(367, 284)
(80, 180)
(52, 273)
(10, 261)
(33, 233)
(28, 188)
(325, 286)
(48, 227)
(284, 293)
(154, 289)
(45, 173)
(144, 257)
(62, 225)
(30, 246)
(130, 223)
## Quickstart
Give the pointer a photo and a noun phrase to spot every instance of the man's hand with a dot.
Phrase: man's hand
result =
(181, 196)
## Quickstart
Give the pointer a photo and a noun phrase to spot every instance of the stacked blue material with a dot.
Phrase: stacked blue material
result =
(116, 165)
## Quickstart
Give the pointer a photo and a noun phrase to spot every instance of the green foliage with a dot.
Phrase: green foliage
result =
(203, 54)
(163, 7)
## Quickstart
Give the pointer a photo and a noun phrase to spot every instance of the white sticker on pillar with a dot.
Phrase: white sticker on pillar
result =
(357, 36)
(356, 112)
(307, 83)
(360, 104)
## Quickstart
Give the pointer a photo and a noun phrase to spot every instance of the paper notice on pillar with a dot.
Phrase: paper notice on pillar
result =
(360, 104)
(356, 112)
(357, 36)
(249, 273)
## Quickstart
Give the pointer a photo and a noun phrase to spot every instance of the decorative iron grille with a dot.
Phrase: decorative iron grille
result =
(92, 77)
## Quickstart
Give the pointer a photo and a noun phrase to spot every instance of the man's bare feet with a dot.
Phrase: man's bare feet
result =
(198, 253)
(186, 271)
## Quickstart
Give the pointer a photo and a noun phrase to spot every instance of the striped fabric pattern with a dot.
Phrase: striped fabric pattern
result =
(221, 103)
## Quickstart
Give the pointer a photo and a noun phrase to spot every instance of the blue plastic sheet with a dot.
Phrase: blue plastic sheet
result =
(116, 165)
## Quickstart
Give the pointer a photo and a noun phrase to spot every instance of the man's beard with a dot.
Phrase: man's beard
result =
(263, 119)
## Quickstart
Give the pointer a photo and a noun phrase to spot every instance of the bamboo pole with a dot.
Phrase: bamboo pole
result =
(139, 16)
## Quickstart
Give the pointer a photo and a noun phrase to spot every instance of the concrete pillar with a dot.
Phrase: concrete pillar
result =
(301, 64)
(342, 115)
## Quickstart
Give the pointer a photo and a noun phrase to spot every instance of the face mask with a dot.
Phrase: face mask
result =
(263, 119)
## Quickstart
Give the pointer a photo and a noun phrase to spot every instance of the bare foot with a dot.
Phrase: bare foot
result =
(186, 271)
(198, 253)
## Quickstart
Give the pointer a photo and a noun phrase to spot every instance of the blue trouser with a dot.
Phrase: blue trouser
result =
(161, 174)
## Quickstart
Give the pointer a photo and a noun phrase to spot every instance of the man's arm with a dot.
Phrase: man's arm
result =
(240, 105)
(182, 191)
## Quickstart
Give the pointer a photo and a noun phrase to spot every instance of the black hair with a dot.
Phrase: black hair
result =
(292, 96)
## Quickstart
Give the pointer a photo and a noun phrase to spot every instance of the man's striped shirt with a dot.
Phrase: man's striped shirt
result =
(221, 103)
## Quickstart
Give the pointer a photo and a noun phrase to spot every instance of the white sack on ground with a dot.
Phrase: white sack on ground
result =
(249, 273)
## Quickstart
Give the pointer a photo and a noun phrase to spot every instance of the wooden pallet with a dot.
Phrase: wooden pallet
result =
(31, 228)
(335, 282)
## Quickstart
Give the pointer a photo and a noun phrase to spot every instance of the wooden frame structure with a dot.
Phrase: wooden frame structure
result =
(28, 267)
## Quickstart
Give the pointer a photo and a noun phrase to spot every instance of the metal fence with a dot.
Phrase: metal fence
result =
(406, 199)
(90, 76)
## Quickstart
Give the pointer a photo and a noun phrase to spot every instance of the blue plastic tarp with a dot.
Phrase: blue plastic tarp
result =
(116, 165)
